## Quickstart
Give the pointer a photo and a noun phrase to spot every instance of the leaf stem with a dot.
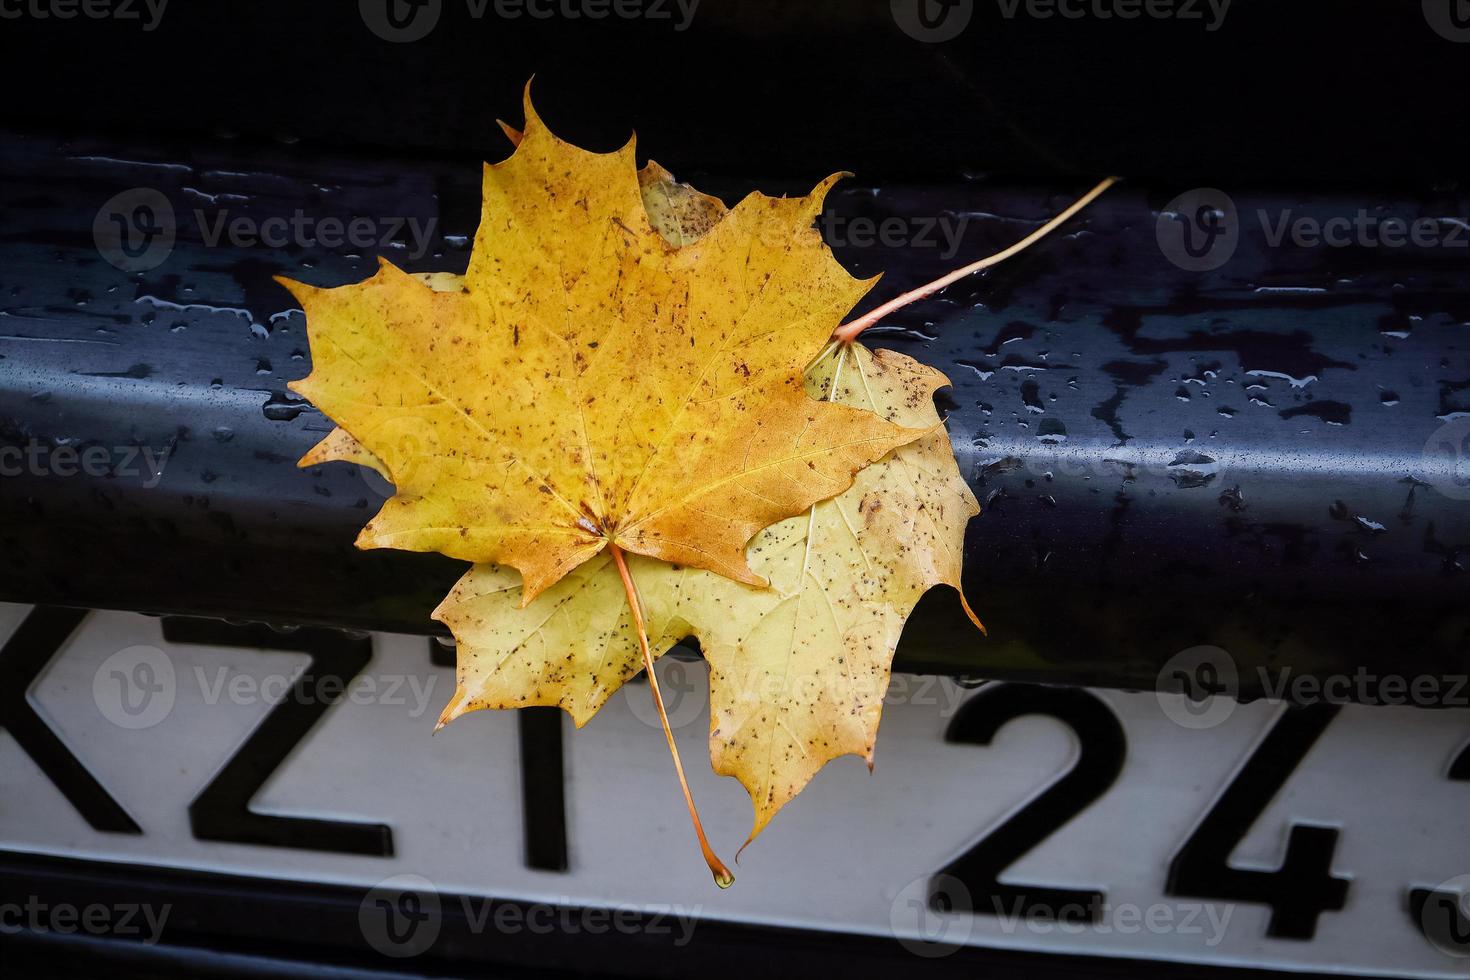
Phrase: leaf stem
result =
(849, 331)
(722, 874)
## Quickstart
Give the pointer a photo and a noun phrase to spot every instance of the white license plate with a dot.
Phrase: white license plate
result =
(1036, 819)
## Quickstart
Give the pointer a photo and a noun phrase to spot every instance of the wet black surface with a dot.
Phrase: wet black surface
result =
(1266, 457)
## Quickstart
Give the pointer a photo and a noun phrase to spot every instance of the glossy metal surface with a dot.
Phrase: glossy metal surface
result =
(1264, 457)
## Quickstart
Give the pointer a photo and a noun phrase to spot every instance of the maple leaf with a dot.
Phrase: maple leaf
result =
(558, 368)
(592, 384)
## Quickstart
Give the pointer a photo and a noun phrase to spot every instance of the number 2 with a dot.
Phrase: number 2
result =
(1103, 748)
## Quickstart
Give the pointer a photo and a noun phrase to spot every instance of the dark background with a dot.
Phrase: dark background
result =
(1298, 91)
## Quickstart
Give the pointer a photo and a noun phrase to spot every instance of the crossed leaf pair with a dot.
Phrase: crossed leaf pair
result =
(629, 368)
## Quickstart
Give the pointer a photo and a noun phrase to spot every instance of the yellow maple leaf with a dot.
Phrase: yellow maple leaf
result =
(591, 383)
(628, 365)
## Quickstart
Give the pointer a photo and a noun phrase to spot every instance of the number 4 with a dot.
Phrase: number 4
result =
(1304, 886)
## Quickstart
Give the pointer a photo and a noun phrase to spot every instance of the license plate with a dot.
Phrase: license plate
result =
(1053, 820)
